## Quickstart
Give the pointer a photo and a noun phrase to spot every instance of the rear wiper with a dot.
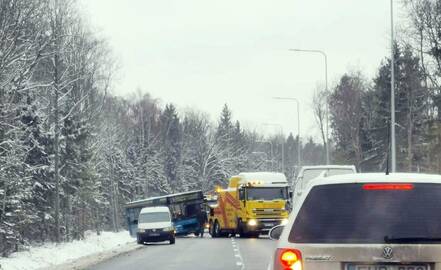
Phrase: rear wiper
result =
(401, 240)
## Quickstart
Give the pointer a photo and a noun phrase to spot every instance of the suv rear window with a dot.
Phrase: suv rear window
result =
(347, 213)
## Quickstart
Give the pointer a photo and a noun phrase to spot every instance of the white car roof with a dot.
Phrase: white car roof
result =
(377, 178)
(154, 209)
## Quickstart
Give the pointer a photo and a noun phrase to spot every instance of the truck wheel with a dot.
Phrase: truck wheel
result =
(196, 234)
(216, 229)
(240, 229)
(172, 241)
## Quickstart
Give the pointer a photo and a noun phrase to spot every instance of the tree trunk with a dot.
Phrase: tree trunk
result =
(113, 200)
(5, 191)
(56, 24)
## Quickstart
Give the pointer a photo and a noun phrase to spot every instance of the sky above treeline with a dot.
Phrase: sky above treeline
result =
(205, 53)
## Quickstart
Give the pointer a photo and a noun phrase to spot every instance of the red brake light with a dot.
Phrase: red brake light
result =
(387, 186)
(286, 259)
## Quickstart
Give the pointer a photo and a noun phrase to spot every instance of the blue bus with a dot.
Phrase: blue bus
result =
(187, 209)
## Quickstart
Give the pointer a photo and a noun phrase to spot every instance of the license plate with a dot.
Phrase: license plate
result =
(269, 225)
(154, 234)
(386, 267)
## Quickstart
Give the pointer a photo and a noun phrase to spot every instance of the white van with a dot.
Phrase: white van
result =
(307, 173)
(155, 225)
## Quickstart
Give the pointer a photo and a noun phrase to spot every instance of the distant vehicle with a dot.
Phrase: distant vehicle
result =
(155, 225)
(187, 212)
(253, 203)
(363, 221)
(307, 173)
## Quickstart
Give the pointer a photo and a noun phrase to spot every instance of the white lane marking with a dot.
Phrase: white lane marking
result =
(239, 259)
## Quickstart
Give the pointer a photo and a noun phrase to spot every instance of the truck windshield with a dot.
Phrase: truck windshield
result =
(154, 217)
(267, 194)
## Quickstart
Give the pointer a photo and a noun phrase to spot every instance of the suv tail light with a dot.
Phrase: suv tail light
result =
(287, 259)
(387, 186)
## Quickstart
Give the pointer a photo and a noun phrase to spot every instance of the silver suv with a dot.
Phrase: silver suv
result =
(363, 222)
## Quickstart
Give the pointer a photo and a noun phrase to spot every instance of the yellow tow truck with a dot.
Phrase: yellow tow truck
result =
(252, 204)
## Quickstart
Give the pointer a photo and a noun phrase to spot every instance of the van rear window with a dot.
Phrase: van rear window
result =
(349, 213)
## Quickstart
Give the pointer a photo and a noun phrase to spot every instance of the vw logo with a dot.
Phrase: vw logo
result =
(388, 253)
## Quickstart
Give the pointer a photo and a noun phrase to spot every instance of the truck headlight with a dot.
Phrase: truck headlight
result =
(252, 222)
(284, 221)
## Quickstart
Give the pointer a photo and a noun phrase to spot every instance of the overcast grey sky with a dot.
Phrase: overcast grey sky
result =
(204, 53)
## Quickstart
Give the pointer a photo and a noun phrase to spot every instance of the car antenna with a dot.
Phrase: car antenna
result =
(388, 147)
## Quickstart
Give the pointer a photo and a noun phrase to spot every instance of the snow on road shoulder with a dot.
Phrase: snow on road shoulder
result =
(50, 255)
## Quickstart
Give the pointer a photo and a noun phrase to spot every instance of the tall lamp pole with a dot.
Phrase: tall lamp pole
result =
(299, 144)
(392, 92)
(325, 56)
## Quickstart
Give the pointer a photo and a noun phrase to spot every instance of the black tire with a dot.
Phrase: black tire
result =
(240, 230)
(196, 234)
(172, 241)
(139, 240)
(201, 234)
(216, 230)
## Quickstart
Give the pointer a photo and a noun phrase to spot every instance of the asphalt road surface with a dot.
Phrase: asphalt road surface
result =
(192, 253)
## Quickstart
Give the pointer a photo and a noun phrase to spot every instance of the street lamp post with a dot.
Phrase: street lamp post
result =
(283, 143)
(392, 91)
(299, 145)
(326, 89)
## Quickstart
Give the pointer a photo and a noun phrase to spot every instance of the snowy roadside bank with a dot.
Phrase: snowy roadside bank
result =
(73, 255)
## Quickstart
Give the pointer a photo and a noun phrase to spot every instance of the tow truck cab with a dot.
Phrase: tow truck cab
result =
(252, 204)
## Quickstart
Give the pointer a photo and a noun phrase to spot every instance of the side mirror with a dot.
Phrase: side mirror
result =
(276, 232)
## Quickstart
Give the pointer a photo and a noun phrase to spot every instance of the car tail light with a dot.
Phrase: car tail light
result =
(387, 186)
(287, 259)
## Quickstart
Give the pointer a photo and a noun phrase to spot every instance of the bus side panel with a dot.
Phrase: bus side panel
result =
(132, 215)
